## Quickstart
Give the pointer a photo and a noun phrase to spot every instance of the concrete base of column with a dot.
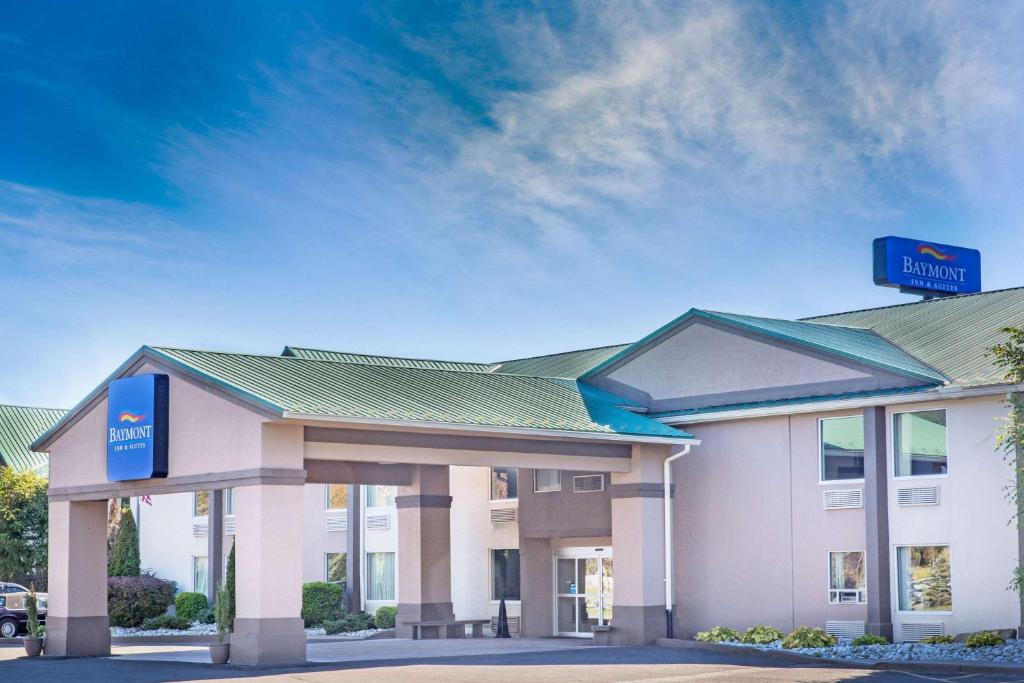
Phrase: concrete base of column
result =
(410, 612)
(78, 636)
(637, 624)
(884, 630)
(268, 642)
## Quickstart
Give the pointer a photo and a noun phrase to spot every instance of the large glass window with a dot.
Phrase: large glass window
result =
(547, 480)
(199, 574)
(846, 577)
(229, 501)
(380, 496)
(380, 576)
(504, 483)
(336, 497)
(920, 440)
(924, 578)
(335, 570)
(200, 503)
(505, 574)
(842, 448)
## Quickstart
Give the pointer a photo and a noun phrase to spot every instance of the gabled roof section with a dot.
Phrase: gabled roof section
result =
(19, 427)
(952, 334)
(393, 361)
(568, 364)
(856, 344)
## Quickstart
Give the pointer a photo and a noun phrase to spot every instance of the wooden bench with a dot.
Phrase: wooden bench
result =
(426, 630)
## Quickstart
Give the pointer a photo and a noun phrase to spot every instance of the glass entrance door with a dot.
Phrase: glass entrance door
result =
(583, 590)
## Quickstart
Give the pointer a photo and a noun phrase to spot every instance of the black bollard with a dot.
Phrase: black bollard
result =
(502, 631)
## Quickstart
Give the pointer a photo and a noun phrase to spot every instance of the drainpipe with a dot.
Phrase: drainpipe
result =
(669, 598)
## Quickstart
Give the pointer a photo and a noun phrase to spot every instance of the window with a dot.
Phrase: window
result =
(547, 480)
(199, 574)
(229, 501)
(380, 576)
(920, 443)
(335, 570)
(505, 574)
(200, 503)
(504, 483)
(586, 483)
(380, 496)
(846, 577)
(924, 578)
(336, 497)
(842, 448)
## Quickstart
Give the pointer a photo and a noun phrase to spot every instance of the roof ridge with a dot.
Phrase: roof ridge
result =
(909, 303)
(15, 405)
(560, 353)
(378, 355)
(808, 321)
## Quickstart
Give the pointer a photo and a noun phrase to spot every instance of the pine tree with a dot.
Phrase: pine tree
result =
(124, 555)
(937, 592)
(229, 580)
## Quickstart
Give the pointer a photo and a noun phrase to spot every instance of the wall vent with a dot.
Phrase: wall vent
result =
(843, 499)
(504, 515)
(513, 624)
(918, 495)
(229, 526)
(588, 482)
(199, 529)
(337, 523)
(378, 522)
(845, 630)
(914, 632)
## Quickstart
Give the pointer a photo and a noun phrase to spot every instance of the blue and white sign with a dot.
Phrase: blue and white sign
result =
(137, 428)
(926, 267)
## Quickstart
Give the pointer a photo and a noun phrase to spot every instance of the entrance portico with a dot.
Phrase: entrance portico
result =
(224, 432)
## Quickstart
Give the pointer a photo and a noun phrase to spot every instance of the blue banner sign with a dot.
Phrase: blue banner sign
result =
(137, 428)
(926, 267)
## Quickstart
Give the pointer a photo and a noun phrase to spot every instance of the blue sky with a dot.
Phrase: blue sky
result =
(479, 181)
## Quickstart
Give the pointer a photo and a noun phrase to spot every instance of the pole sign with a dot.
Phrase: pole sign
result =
(137, 428)
(926, 268)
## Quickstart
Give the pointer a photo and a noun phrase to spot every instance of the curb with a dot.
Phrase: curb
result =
(932, 666)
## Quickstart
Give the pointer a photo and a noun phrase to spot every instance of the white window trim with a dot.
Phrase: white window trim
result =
(892, 446)
(536, 490)
(327, 565)
(894, 578)
(327, 500)
(828, 579)
(225, 499)
(195, 504)
(365, 583)
(490, 575)
(490, 493)
(821, 454)
(192, 571)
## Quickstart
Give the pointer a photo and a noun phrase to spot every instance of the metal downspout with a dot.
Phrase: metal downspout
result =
(669, 598)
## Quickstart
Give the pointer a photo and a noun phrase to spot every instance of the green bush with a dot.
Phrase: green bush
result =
(133, 599)
(761, 635)
(718, 634)
(321, 602)
(385, 616)
(805, 636)
(359, 621)
(166, 621)
(207, 616)
(124, 552)
(221, 612)
(190, 605)
(938, 640)
(229, 584)
(984, 639)
(870, 639)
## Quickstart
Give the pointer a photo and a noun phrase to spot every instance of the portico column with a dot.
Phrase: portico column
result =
(638, 609)
(214, 544)
(424, 548)
(876, 518)
(76, 620)
(268, 576)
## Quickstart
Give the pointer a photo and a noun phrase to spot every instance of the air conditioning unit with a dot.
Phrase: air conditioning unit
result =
(915, 632)
(229, 526)
(845, 630)
(378, 522)
(841, 499)
(918, 495)
(586, 483)
(513, 624)
(337, 523)
(200, 529)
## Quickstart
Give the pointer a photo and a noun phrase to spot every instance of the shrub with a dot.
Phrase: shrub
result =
(321, 602)
(133, 599)
(221, 612)
(385, 616)
(718, 634)
(207, 616)
(938, 640)
(359, 621)
(190, 605)
(870, 639)
(805, 636)
(166, 621)
(984, 639)
(762, 635)
(229, 584)
(124, 552)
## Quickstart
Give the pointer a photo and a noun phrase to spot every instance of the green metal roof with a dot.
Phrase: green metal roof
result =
(569, 364)
(860, 345)
(293, 385)
(951, 334)
(393, 361)
(19, 427)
